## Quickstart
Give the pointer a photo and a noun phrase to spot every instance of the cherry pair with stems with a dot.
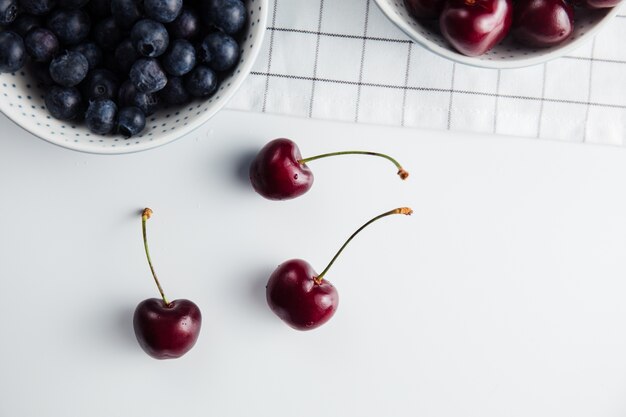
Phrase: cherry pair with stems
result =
(297, 294)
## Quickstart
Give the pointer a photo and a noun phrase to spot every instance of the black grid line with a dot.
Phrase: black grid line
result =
(405, 41)
(608, 61)
(362, 68)
(317, 55)
(543, 98)
(495, 107)
(406, 83)
(444, 90)
(338, 35)
(586, 123)
(269, 58)
(451, 96)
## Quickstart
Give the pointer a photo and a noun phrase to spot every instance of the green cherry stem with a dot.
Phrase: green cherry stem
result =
(402, 173)
(145, 215)
(402, 210)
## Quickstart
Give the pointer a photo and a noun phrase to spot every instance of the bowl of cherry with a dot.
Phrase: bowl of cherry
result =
(120, 76)
(500, 33)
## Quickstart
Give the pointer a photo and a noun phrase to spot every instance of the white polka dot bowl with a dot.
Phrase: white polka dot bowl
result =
(22, 101)
(507, 54)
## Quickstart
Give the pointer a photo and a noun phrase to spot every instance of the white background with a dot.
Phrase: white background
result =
(503, 295)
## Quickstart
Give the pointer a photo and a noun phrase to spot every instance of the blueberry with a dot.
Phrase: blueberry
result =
(24, 23)
(41, 44)
(131, 121)
(63, 103)
(147, 75)
(37, 7)
(126, 12)
(8, 11)
(101, 84)
(163, 11)
(227, 15)
(219, 51)
(109, 62)
(125, 56)
(126, 93)
(129, 96)
(99, 9)
(41, 73)
(100, 117)
(147, 102)
(149, 38)
(12, 52)
(174, 92)
(180, 58)
(69, 69)
(186, 25)
(70, 26)
(107, 34)
(72, 4)
(91, 51)
(201, 81)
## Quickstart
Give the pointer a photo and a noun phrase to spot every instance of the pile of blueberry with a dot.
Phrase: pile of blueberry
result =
(114, 62)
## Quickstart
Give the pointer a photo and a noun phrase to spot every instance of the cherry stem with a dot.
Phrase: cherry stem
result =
(402, 173)
(402, 210)
(147, 213)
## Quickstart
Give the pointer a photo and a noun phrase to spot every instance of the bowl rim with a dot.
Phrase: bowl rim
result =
(169, 137)
(503, 64)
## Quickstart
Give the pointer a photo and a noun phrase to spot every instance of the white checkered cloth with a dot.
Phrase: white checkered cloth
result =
(343, 60)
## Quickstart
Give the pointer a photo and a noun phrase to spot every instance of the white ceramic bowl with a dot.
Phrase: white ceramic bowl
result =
(507, 54)
(22, 102)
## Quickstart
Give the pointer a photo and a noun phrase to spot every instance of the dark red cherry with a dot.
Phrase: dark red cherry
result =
(298, 299)
(542, 23)
(424, 9)
(167, 331)
(475, 26)
(279, 172)
(301, 297)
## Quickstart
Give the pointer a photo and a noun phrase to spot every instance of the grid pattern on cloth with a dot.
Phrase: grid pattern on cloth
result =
(343, 60)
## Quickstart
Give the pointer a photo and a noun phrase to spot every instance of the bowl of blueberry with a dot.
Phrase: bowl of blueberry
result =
(500, 33)
(119, 76)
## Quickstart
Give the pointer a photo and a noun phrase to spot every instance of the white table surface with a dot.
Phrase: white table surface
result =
(504, 295)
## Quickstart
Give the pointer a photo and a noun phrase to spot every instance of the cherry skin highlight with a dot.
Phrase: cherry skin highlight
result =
(277, 174)
(542, 23)
(473, 27)
(294, 295)
(167, 331)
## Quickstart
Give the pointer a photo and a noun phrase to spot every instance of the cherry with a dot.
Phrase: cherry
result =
(304, 299)
(165, 330)
(475, 26)
(424, 9)
(279, 172)
(300, 301)
(542, 23)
